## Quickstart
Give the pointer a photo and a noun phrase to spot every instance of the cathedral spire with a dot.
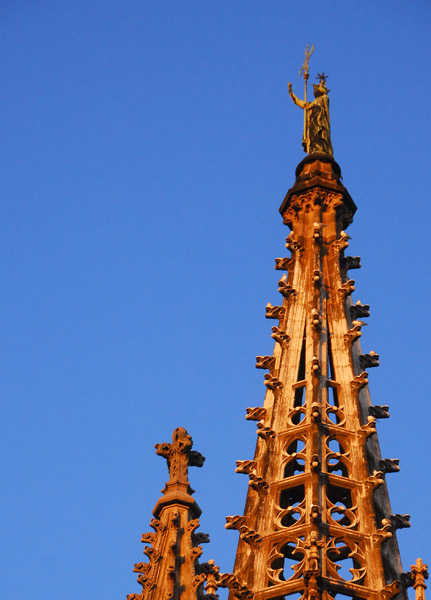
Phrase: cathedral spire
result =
(173, 571)
(317, 522)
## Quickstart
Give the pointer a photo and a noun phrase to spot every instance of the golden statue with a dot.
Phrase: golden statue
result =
(317, 130)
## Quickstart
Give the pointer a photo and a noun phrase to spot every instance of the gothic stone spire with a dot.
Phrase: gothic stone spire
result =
(317, 520)
(173, 571)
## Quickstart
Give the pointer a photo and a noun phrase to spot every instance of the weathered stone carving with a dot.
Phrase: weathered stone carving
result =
(367, 361)
(274, 312)
(353, 334)
(350, 262)
(280, 336)
(347, 288)
(359, 311)
(359, 381)
(250, 535)
(419, 573)
(292, 244)
(245, 466)
(265, 432)
(389, 465)
(399, 521)
(272, 383)
(235, 522)
(255, 414)
(342, 242)
(380, 412)
(284, 288)
(265, 362)
(283, 264)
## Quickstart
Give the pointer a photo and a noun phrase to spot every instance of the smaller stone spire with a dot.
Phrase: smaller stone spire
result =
(420, 573)
(173, 571)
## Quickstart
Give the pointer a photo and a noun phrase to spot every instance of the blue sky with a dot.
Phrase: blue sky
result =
(145, 148)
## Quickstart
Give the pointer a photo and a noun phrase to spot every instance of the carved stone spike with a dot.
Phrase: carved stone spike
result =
(272, 383)
(274, 312)
(375, 479)
(283, 264)
(359, 310)
(280, 336)
(245, 466)
(292, 244)
(352, 334)
(235, 522)
(264, 432)
(367, 361)
(250, 535)
(284, 288)
(350, 262)
(380, 412)
(265, 362)
(389, 465)
(347, 288)
(316, 319)
(359, 381)
(400, 521)
(255, 414)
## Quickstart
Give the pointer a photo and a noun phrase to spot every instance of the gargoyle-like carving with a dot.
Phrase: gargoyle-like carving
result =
(258, 483)
(255, 414)
(275, 312)
(367, 361)
(359, 311)
(350, 262)
(389, 591)
(317, 278)
(264, 432)
(200, 538)
(352, 334)
(370, 427)
(342, 242)
(315, 366)
(399, 521)
(347, 288)
(228, 580)
(375, 479)
(359, 381)
(316, 320)
(384, 533)
(235, 522)
(280, 336)
(389, 465)
(292, 244)
(245, 466)
(380, 412)
(265, 362)
(284, 288)
(250, 536)
(283, 264)
(272, 383)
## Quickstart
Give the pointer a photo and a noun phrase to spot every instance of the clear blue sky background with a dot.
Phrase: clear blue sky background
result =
(145, 149)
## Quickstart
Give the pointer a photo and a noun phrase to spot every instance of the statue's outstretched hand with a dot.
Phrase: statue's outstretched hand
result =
(289, 87)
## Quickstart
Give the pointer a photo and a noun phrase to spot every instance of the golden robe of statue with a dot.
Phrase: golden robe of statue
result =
(317, 130)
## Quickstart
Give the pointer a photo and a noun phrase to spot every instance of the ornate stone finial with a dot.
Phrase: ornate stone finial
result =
(317, 130)
(420, 573)
(180, 457)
